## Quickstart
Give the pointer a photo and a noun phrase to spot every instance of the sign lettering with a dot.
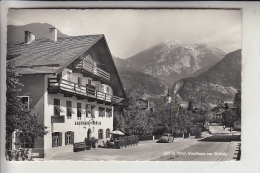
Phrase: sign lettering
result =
(87, 122)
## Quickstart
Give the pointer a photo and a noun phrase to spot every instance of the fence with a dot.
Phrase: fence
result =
(127, 141)
(21, 154)
(145, 138)
(155, 137)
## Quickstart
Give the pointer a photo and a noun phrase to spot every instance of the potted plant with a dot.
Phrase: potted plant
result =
(94, 141)
(88, 143)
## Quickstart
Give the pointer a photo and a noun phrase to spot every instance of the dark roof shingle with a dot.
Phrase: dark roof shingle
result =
(45, 56)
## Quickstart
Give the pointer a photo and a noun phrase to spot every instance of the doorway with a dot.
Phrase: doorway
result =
(89, 134)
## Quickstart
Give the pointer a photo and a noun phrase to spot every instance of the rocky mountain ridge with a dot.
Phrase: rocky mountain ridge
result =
(218, 84)
(173, 60)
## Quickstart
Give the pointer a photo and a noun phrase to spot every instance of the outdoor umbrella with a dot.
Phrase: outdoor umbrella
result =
(116, 132)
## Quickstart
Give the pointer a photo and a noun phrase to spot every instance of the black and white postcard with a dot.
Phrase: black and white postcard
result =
(124, 85)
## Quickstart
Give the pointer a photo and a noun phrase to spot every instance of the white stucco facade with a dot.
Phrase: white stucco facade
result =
(80, 127)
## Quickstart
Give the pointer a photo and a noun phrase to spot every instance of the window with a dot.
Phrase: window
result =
(97, 87)
(59, 76)
(107, 90)
(26, 140)
(87, 110)
(102, 88)
(101, 112)
(108, 133)
(100, 134)
(25, 101)
(93, 111)
(108, 112)
(56, 139)
(69, 137)
(69, 76)
(79, 111)
(57, 108)
(69, 109)
(79, 81)
(89, 81)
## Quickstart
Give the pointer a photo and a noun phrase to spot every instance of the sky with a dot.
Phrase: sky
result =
(130, 31)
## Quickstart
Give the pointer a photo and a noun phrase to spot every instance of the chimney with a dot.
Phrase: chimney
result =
(53, 34)
(29, 37)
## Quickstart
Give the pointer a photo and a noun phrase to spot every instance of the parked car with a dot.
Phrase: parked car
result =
(166, 137)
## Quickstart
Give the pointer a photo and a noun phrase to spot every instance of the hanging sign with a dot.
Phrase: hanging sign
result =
(57, 119)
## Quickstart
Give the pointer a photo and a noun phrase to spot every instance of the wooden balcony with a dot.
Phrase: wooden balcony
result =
(93, 70)
(70, 88)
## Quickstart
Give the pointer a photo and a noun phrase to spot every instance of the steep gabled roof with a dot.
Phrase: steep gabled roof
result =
(45, 56)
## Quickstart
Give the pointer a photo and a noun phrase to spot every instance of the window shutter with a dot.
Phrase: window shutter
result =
(72, 137)
(66, 136)
(52, 139)
(60, 137)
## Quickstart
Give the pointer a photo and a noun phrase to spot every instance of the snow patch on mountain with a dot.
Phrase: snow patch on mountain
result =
(185, 61)
(173, 60)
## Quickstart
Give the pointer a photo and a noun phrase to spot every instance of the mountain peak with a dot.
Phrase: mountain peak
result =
(171, 44)
(170, 41)
(172, 60)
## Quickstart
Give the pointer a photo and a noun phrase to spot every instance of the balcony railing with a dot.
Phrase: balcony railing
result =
(63, 86)
(90, 67)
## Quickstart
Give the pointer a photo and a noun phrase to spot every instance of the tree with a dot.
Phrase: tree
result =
(202, 115)
(237, 102)
(18, 116)
(118, 119)
(190, 107)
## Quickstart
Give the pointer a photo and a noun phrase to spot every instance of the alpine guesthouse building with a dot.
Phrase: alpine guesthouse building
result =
(71, 84)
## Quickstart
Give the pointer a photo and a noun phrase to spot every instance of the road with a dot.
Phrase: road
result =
(149, 150)
(204, 151)
(221, 147)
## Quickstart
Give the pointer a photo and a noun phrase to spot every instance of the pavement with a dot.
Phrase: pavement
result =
(218, 145)
(144, 151)
(216, 129)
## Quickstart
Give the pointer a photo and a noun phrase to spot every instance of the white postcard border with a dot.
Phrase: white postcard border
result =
(250, 96)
